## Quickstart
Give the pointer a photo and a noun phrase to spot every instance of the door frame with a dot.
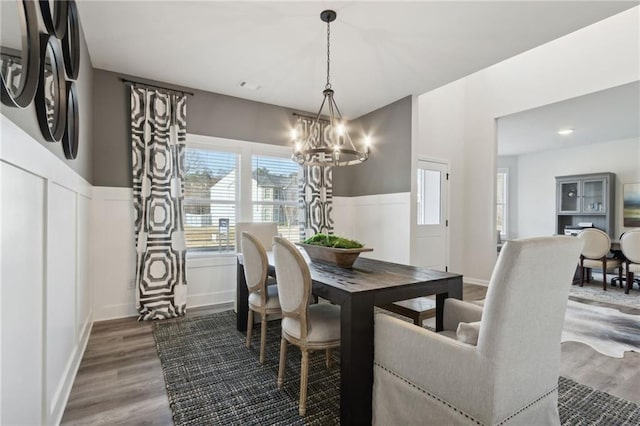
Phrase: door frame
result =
(446, 204)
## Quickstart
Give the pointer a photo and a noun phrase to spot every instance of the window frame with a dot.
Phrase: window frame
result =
(505, 204)
(244, 197)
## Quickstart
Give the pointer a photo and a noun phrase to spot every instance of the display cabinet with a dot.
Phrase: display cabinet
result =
(588, 198)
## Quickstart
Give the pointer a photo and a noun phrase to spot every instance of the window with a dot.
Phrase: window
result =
(210, 196)
(429, 199)
(274, 192)
(233, 181)
(502, 205)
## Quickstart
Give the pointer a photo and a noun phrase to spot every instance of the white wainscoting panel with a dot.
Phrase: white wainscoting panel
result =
(378, 221)
(61, 331)
(113, 253)
(211, 279)
(22, 298)
(46, 279)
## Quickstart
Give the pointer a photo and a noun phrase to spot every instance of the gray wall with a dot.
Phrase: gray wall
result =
(208, 114)
(388, 169)
(28, 121)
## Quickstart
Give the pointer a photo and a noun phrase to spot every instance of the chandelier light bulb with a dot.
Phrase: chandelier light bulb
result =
(340, 129)
(294, 134)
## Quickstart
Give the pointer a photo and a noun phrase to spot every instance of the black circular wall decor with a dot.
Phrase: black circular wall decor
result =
(51, 96)
(54, 16)
(19, 53)
(71, 42)
(71, 133)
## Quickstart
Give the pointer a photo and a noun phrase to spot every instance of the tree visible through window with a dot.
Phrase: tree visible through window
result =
(274, 191)
(226, 183)
(210, 199)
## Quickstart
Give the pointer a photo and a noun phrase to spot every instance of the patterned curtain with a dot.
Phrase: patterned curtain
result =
(316, 187)
(158, 134)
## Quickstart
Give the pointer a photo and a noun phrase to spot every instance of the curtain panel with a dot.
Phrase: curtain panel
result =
(158, 135)
(316, 186)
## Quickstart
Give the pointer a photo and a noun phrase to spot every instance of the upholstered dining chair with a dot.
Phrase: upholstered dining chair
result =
(263, 231)
(630, 246)
(493, 365)
(263, 298)
(597, 245)
(310, 327)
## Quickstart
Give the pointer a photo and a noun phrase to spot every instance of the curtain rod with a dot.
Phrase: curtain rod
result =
(138, 83)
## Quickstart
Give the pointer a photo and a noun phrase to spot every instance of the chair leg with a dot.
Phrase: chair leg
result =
(581, 271)
(263, 337)
(328, 358)
(629, 281)
(249, 327)
(283, 361)
(304, 371)
(604, 274)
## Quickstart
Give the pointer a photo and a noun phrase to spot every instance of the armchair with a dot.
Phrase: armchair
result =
(511, 375)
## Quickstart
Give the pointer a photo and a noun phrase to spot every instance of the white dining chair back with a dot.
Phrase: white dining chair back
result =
(262, 231)
(630, 245)
(597, 243)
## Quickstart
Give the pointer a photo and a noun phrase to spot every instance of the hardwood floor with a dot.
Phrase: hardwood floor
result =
(120, 378)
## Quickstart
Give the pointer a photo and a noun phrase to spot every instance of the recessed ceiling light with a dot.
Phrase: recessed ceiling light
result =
(565, 132)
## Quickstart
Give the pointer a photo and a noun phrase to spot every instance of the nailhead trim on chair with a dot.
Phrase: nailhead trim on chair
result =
(526, 407)
(529, 405)
(429, 394)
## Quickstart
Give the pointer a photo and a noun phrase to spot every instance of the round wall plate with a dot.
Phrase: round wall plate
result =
(54, 16)
(70, 139)
(71, 42)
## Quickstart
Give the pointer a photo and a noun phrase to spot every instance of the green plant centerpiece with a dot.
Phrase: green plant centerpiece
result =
(333, 249)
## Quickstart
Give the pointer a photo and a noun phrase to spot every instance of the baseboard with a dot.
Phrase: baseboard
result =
(477, 281)
(62, 397)
(127, 310)
(211, 299)
(110, 312)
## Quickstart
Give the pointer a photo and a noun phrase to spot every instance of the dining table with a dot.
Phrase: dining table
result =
(358, 290)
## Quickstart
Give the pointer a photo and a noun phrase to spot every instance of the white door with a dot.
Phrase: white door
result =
(432, 217)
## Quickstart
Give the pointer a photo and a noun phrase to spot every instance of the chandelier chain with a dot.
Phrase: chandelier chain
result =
(328, 85)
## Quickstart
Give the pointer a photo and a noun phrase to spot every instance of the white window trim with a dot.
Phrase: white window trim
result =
(246, 149)
(505, 228)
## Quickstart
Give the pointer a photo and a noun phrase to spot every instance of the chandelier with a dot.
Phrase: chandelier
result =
(327, 142)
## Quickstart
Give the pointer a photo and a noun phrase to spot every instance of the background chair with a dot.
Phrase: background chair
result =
(630, 246)
(310, 327)
(263, 231)
(263, 298)
(597, 245)
(497, 365)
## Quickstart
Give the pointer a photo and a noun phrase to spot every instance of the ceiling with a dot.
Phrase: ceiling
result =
(608, 115)
(380, 51)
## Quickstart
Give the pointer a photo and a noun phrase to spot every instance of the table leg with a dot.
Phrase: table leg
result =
(454, 290)
(356, 359)
(242, 299)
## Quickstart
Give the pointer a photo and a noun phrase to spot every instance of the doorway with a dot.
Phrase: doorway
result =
(432, 238)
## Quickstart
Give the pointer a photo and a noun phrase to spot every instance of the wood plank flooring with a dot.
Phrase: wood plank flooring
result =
(120, 379)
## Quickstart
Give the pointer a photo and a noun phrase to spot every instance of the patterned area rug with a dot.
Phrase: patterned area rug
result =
(606, 330)
(614, 295)
(212, 378)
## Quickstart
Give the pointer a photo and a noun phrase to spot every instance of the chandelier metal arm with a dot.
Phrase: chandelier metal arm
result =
(334, 145)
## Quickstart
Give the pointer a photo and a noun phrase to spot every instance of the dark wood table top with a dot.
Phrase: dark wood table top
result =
(368, 274)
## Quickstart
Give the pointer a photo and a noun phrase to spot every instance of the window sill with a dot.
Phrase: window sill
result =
(204, 259)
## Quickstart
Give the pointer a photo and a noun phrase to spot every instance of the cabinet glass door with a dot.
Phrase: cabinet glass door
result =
(593, 196)
(569, 197)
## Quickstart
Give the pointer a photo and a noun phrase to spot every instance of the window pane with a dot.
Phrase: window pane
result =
(500, 191)
(210, 196)
(274, 191)
(429, 197)
(274, 179)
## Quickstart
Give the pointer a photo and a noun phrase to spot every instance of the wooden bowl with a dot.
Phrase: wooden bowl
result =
(344, 258)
